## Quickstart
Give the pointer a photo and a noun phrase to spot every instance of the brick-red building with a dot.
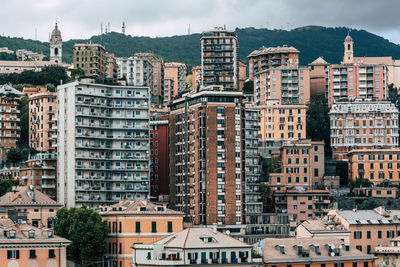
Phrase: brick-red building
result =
(159, 179)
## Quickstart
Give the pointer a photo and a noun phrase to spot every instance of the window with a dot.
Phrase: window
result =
(137, 227)
(51, 253)
(12, 254)
(32, 254)
(154, 227)
(368, 234)
(379, 234)
(354, 264)
(359, 248)
(357, 234)
(169, 227)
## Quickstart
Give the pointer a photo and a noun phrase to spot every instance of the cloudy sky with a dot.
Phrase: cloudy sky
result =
(83, 18)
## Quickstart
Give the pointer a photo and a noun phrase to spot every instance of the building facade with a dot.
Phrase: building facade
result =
(9, 128)
(290, 85)
(220, 59)
(91, 58)
(363, 125)
(111, 67)
(42, 118)
(177, 72)
(136, 70)
(137, 222)
(375, 165)
(206, 135)
(56, 46)
(318, 79)
(196, 78)
(103, 143)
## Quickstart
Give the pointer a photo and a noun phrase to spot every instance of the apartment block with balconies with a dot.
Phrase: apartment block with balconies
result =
(103, 143)
(91, 58)
(363, 125)
(176, 72)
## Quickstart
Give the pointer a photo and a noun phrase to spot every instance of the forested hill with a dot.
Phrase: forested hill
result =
(312, 41)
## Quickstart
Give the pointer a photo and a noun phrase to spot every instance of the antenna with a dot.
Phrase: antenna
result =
(189, 30)
(109, 29)
(123, 27)
(101, 28)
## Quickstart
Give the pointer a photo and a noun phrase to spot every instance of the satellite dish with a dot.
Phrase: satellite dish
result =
(227, 232)
(332, 254)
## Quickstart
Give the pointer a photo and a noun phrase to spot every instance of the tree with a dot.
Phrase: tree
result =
(318, 125)
(6, 185)
(14, 155)
(76, 73)
(24, 120)
(248, 87)
(342, 170)
(267, 198)
(87, 232)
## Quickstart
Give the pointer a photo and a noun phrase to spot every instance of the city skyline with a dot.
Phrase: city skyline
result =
(174, 18)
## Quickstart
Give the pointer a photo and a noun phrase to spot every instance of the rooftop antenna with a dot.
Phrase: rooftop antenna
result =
(189, 30)
(101, 28)
(109, 29)
(123, 27)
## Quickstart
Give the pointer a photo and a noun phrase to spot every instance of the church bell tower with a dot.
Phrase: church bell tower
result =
(56, 46)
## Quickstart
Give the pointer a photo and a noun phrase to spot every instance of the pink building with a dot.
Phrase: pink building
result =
(318, 76)
(42, 118)
(290, 85)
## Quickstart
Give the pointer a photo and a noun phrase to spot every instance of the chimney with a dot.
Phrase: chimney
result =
(214, 227)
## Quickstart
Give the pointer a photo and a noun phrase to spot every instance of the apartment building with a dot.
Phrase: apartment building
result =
(388, 255)
(136, 70)
(157, 77)
(42, 118)
(195, 246)
(220, 59)
(252, 165)
(303, 203)
(40, 171)
(301, 163)
(278, 123)
(363, 125)
(242, 74)
(196, 78)
(91, 58)
(305, 252)
(39, 209)
(290, 85)
(22, 244)
(25, 55)
(111, 67)
(169, 89)
(375, 165)
(375, 192)
(159, 169)
(137, 222)
(322, 228)
(177, 72)
(369, 229)
(103, 143)
(318, 79)
(9, 130)
(10, 173)
(272, 57)
(206, 136)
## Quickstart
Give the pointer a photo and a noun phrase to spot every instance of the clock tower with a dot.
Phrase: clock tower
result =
(348, 50)
(56, 46)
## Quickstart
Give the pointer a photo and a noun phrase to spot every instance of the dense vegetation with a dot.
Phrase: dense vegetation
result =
(312, 41)
(87, 232)
(48, 75)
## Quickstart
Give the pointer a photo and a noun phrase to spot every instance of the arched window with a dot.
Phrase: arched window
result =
(56, 51)
(348, 46)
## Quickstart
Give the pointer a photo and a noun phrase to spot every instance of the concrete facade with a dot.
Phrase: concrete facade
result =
(91, 58)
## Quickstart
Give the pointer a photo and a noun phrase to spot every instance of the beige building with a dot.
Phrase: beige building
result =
(322, 228)
(363, 125)
(369, 229)
(42, 118)
(22, 244)
(196, 76)
(9, 119)
(27, 200)
(375, 165)
(301, 164)
(290, 85)
(388, 255)
(91, 58)
(40, 171)
(303, 203)
(377, 192)
(272, 57)
(111, 66)
(137, 222)
(242, 74)
(318, 79)
(176, 72)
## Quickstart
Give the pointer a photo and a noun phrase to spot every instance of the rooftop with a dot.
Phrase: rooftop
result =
(273, 50)
(7, 89)
(319, 226)
(319, 61)
(137, 207)
(26, 196)
(376, 216)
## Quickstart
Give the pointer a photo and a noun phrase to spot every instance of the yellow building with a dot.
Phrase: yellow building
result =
(24, 245)
(137, 222)
(375, 165)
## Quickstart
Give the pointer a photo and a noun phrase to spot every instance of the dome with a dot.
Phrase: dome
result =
(56, 35)
(348, 38)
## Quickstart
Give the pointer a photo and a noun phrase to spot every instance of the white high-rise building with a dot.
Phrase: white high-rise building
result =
(103, 143)
(137, 71)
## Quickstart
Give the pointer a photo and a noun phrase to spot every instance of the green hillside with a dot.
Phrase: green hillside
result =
(312, 41)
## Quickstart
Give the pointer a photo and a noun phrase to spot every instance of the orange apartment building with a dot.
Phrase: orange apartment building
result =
(111, 67)
(303, 203)
(9, 128)
(28, 91)
(42, 118)
(39, 208)
(272, 57)
(291, 85)
(40, 171)
(22, 244)
(301, 164)
(369, 229)
(311, 252)
(242, 74)
(354, 79)
(177, 72)
(196, 78)
(377, 192)
(376, 165)
(137, 222)
(363, 125)
(318, 79)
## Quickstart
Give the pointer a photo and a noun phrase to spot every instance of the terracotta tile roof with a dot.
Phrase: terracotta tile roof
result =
(140, 207)
(26, 196)
(273, 50)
